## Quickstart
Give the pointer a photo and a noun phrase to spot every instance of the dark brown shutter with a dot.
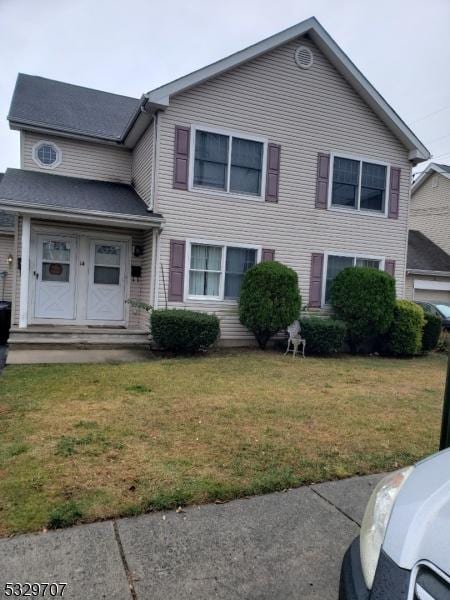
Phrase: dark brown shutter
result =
(389, 267)
(273, 172)
(181, 158)
(323, 174)
(315, 282)
(267, 255)
(176, 271)
(394, 193)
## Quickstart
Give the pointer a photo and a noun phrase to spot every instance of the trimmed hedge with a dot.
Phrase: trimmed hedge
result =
(431, 332)
(269, 300)
(323, 335)
(404, 337)
(364, 299)
(187, 331)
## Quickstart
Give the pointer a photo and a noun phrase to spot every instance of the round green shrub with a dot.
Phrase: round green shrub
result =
(270, 300)
(180, 330)
(404, 337)
(364, 299)
(431, 332)
(323, 335)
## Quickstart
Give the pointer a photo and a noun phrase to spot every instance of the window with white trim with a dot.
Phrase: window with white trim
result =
(46, 154)
(336, 263)
(359, 184)
(217, 271)
(232, 163)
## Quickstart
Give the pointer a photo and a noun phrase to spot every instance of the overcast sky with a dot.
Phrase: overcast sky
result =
(132, 46)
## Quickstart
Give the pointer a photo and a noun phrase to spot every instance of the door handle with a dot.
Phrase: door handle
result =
(36, 274)
(82, 263)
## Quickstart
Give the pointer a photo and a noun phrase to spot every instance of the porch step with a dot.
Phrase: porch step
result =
(75, 337)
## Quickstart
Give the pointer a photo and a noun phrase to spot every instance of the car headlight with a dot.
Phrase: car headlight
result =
(375, 521)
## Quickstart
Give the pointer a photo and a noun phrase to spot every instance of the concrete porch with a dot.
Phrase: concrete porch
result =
(71, 344)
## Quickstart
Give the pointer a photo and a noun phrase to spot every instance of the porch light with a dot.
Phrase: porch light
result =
(10, 260)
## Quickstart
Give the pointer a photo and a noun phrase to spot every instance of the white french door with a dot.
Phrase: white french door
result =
(55, 277)
(79, 279)
(106, 300)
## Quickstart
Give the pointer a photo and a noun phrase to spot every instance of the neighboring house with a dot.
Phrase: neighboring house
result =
(427, 270)
(428, 264)
(7, 232)
(281, 151)
(430, 205)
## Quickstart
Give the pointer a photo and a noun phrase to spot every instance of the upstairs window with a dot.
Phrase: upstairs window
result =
(359, 185)
(227, 162)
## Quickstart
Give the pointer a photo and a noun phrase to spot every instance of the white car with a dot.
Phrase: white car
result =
(403, 550)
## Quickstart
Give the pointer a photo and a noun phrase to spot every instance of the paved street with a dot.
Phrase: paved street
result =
(285, 545)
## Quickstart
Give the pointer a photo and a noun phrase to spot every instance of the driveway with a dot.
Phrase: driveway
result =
(280, 546)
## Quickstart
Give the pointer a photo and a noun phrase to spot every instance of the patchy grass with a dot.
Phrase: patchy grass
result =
(86, 442)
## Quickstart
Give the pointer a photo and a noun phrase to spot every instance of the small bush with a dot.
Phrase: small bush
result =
(64, 515)
(270, 300)
(187, 331)
(404, 337)
(323, 336)
(431, 332)
(364, 299)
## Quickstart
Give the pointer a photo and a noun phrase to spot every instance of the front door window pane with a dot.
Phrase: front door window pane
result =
(345, 182)
(336, 264)
(246, 166)
(56, 250)
(239, 261)
(107, 264)
(57, 272)
(211, 160)
(205, 269)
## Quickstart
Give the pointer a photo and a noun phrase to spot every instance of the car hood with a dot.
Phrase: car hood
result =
(419, 526)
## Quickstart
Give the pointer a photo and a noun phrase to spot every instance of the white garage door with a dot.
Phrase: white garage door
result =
(434, 296)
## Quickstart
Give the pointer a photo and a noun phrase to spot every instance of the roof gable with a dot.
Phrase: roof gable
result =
(443, 170)
(160, 97)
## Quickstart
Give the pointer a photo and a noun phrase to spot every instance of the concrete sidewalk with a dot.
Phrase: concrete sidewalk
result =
(285, 545)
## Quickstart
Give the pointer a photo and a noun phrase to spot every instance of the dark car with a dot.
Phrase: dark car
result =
(440, 310)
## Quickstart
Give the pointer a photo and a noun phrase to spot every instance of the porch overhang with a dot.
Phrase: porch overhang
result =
(75, 200)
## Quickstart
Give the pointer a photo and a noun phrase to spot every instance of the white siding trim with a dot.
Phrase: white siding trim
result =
(25, 271)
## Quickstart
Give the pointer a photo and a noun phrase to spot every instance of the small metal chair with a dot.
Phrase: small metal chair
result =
(295, 339)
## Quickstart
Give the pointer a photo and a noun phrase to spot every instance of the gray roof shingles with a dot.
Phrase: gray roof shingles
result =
(71, 108)
(71, 193)
(6, 220)
(425, 255)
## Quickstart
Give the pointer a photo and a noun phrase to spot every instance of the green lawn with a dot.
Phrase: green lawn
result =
(86, 442)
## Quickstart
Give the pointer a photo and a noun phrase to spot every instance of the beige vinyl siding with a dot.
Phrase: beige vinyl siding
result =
(6, 249)
(409, 287)
(140, 287)
(430, 210)
(306, 111)
(88, 160)
(142, 165)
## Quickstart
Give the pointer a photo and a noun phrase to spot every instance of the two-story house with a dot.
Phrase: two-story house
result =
(281, 151)
(428, 264)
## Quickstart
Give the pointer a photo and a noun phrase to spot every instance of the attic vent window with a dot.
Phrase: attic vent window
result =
(304, 57)
(46, 154)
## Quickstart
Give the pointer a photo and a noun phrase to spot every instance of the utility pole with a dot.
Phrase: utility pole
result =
(445, 427)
